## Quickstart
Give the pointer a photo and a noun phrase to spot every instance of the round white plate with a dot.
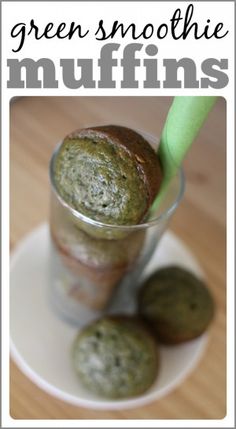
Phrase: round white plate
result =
(41, 342)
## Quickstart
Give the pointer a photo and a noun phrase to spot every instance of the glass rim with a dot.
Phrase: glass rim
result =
(143, 225)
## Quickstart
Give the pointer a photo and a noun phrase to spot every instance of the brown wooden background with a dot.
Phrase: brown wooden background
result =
(37, 124)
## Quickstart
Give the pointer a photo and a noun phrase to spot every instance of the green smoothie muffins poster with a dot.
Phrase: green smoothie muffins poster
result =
(117, 213)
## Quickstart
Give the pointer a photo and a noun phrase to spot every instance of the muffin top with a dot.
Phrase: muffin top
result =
(109, 173)
(116, 357)
(177, 304)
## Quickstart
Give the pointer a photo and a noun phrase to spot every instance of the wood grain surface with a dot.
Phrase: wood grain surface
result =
(37, 124)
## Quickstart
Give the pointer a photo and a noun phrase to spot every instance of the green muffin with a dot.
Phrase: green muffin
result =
(116, 357)
(97, 253)
(109, 173)
(177, 305)
(98, 264)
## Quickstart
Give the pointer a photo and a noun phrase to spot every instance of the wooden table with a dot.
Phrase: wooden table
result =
(37, 124)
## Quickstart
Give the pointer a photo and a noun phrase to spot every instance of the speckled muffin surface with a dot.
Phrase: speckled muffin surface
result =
(116, 357)
(177, 305)
(110, 174)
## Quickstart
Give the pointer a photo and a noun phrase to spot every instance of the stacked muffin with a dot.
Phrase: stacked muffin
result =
(109, 175)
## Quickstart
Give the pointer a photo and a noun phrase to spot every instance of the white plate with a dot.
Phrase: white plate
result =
(41, 342)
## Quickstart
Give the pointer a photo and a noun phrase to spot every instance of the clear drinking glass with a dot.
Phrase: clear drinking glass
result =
(95, 268)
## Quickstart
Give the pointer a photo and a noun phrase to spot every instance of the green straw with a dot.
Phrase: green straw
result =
(184, 120)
